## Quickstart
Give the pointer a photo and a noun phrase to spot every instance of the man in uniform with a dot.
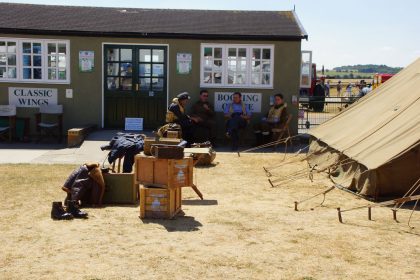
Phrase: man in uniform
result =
(203, 110)
(176, 114)
(275, 118)
(238, 116)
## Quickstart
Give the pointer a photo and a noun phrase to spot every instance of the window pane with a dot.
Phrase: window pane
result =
(52, 61)
(266, 79)
(242, 53)
(36, 48)
(240, 78)
(145, 55)
(112, 69)
(266, 66)
(52, 74)
(113, 83)
(217, 52)
(11, 47)
(218, 77)
(62, 61)
(232, 53)
(126, 83)
(218, 65)
(208, 52)
(27, 60)
(62, 74)
(266, 53)
(126, 69)
(207, 78)
(3, 73)
(2, 46)
(256, 66)
(158, 70)
(158, 55)
(3, 59)
(242, 65)
(145, 84)
(11, 59)
(126, 55)
(145, 69)
(255, 79)
(207, 65)
(37, 60)
(256, 53)
(52, 48)
(112, 54)
(37, 73)
(157, 84)
(26, 47)
(11, 73)
(232, 65)
(62, 48)
(27, 73)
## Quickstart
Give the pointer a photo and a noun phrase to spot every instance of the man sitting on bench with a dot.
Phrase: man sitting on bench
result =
(238, 116)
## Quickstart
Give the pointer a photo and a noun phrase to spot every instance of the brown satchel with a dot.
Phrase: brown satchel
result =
(167, 151)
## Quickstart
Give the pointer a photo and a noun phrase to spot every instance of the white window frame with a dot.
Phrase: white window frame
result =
(44, 59)
(225, 48)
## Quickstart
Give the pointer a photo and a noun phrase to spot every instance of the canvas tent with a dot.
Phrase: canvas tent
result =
(373, 147)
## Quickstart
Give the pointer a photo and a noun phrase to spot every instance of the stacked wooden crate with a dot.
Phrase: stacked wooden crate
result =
(160, 182)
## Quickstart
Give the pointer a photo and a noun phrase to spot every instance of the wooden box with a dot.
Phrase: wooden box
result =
(167, 151)
(165, 173)
(120, 188)
(159, 203)
(149, 141)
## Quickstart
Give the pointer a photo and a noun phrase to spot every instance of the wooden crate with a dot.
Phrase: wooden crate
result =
(164, 173)
(120, 188)
(149, 141)
(159, 203)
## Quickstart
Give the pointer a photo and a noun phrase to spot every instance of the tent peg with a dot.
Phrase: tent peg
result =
(370, 213)
(339, 215)
(296, 205)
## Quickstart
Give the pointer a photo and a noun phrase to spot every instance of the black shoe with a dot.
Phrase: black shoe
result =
(58, 213)
(73, 208)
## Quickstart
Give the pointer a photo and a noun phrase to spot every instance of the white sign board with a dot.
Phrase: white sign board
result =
(32, 97)
(251, 100)
(134, 124)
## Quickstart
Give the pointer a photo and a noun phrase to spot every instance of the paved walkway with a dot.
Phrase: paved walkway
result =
(53, 153)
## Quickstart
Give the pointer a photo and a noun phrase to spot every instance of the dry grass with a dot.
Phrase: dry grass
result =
(243, 230)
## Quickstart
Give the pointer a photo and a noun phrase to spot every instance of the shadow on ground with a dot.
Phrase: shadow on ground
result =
(184, 223)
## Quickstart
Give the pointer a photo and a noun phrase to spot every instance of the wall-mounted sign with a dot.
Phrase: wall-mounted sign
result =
(183, 63)
(86, 61)
(134, 124)
(32, 97)
(251, 100)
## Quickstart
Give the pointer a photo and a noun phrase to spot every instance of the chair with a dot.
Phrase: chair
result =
(283, 133)
(45, 124)
(9, 112)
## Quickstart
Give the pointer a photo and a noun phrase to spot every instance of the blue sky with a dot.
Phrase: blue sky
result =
(340, 32)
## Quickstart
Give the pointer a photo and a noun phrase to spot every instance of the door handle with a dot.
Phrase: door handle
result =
(137, 86)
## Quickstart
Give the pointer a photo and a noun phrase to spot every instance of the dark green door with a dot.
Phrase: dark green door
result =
(135, 85)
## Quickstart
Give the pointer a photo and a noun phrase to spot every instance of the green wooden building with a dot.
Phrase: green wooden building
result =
(107, 64)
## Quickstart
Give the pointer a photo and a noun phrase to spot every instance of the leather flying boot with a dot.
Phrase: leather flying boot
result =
(58, 213)
(73, 208)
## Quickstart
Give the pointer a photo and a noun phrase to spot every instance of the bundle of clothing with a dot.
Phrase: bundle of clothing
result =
(84, 187)
(125, 145)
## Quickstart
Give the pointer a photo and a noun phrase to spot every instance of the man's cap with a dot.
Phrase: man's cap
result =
(183, 95)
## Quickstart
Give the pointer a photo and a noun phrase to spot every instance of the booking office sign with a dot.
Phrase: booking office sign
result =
(251, 100)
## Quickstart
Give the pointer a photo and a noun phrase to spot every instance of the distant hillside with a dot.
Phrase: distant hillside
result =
(368, 68)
